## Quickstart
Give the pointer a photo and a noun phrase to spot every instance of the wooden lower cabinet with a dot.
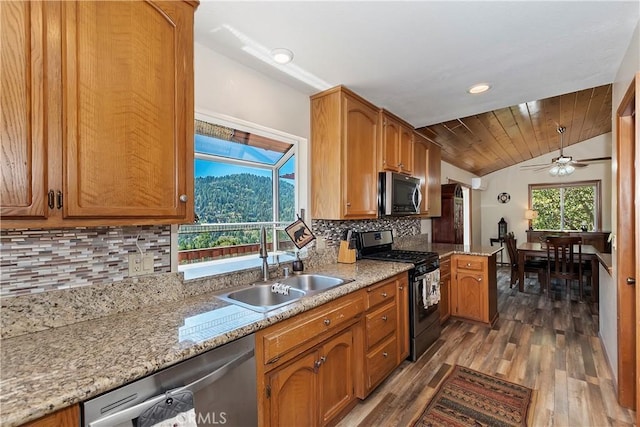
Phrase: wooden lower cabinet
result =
(386, 333)
(67, 417)
(474, 288)
(315, 387)
(445, 289)
(312, 367)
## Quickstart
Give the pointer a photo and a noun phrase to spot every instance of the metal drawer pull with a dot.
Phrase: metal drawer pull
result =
(384, 318)
(50, 199)
(401, 287)
(59, 199)
(327, 322)
(479, 279)
(184, 198)
(385, 354)
(468, 264)
(384, 295)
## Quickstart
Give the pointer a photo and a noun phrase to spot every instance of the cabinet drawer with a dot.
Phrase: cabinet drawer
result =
(296, 331)
(469, 263)
(381, 362)
(381, 293)
(380, 323)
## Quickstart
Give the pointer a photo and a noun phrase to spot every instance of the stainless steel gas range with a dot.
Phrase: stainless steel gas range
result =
(424, 317)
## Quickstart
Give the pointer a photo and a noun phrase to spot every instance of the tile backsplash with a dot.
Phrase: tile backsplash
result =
(34, 260)
(331, 231)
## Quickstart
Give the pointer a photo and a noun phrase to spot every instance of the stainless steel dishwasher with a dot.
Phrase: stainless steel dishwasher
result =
(223, 382)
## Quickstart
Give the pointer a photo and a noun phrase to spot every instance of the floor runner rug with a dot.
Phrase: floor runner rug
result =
(470, 398)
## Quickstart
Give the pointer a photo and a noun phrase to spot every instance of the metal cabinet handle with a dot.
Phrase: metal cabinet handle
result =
(479, 279)
(384, 295)
(385, 354)
(59, 199)
(468, 264)
(631, 281)
(348, 204)
(51, 199)
(184, 198)
(401, 287)
(384, 318)
(327, 322)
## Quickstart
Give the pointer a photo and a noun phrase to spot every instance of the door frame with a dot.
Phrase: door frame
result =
(628, 248)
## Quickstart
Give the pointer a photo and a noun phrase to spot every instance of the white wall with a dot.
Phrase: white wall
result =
(515, 182)
(608, 290)
(223, 86)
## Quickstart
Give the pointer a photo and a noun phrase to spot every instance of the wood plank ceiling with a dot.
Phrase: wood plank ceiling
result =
(484, 143)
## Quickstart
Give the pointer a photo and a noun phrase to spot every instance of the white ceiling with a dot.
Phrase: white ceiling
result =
(418, 58)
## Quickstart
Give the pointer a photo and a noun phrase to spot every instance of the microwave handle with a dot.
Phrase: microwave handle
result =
(417, 205)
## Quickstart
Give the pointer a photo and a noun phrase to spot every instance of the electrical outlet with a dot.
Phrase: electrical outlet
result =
(140, 264)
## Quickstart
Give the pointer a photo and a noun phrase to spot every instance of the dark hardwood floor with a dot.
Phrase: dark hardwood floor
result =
(550, 345)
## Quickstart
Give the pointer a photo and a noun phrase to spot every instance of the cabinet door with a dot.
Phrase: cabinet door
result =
(360, 179)
(403, 318)
(406, 150)
(390, 144)
(23, 188)
(128, 110)
(434, 191)
(294, 393)
(67, 417)
(336, 376)
(420, 171)
(471, 296)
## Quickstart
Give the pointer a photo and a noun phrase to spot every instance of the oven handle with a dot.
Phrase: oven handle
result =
(136, 410)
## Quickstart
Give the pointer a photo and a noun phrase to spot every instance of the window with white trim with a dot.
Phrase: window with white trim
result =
(570, 206)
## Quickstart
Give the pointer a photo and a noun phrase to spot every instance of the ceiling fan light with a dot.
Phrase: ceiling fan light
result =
(554, 170)
(569, 169)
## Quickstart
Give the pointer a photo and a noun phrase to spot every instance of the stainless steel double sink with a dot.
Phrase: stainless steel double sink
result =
(260, 296)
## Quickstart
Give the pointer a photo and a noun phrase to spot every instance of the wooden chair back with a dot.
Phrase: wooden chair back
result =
(512, 244)
(564, 256)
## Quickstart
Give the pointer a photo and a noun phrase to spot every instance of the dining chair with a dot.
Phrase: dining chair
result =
(530, 266)
(564, 261)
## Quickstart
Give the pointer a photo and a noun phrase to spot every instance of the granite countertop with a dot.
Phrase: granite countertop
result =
(447, 249)
(50, 370)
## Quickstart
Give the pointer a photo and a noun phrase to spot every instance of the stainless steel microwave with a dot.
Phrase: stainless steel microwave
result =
(398, 194)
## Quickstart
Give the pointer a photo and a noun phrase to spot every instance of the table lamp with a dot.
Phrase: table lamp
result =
(530, 215)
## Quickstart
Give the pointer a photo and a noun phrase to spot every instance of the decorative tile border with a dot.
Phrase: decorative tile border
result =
(33, 261)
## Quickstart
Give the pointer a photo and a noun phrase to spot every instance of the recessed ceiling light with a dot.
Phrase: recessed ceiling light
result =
(282, 55)
(479, 88)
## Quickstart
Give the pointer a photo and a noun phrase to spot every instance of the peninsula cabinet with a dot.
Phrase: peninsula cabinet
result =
(474, 288)
(98, 128)
(427, 167)
(396, 141)
(344, 173)
(306, 365)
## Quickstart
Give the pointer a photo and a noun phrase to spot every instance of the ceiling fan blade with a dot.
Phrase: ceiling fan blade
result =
(542, 168)
(595, 159)
(579, 165)
(535, 166)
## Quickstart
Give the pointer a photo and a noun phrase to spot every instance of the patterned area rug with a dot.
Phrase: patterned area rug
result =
(471, 398)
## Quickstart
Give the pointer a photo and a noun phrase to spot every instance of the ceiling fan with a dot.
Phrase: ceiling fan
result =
(563, 165)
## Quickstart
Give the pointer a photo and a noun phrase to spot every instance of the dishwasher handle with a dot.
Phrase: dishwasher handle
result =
(136, 410)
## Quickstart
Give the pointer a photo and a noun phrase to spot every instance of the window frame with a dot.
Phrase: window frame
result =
(299, 150)
(597, 183)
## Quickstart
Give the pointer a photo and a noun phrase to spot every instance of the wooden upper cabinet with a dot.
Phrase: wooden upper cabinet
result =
(128, 88)
(344, 176)
(107, 130)
(427, 167)
(24, 156)
(434, 189)
(395, 145)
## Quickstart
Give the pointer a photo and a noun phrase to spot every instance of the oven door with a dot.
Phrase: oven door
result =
(424, 322)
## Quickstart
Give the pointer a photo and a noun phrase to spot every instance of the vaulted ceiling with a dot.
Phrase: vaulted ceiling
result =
(548, 63)
(486, 142)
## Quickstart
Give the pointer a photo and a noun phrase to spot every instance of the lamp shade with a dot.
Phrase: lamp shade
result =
(530, 214)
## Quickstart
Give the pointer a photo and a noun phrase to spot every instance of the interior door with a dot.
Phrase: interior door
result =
(628, 251)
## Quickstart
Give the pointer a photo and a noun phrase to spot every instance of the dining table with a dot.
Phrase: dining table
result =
(539, 250)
